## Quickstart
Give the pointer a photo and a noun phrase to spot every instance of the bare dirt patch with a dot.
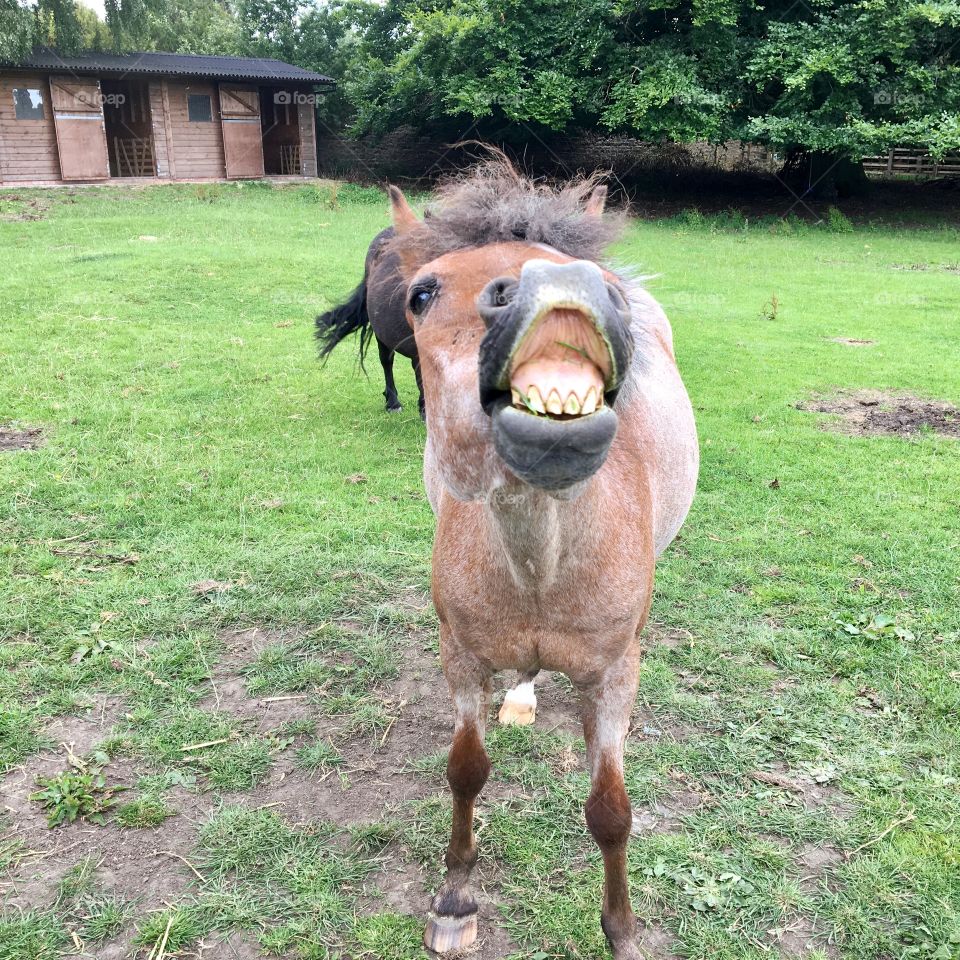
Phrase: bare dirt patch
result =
(135, 865)
(20, 438)
(667, 814)
(852, 341)
(817, 861)
(800, 936)
(813, 795)
(14, 207)
(655, 942)
(875, 413)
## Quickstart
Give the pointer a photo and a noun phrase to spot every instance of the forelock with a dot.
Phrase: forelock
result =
(493, 203)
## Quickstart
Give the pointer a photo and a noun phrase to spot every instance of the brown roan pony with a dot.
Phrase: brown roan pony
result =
(561, 459)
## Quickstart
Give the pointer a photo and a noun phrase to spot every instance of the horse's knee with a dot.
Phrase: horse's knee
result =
(468, 765)
(608, 813)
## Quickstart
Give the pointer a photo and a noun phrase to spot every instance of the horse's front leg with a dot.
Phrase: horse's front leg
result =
(390, 387)
(421, 404)
(606, 708)
(453, 917)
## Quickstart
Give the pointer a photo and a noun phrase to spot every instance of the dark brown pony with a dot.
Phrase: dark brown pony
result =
(375, 310)
(561, 459)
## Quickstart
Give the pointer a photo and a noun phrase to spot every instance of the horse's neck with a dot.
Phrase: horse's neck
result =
(535, 535)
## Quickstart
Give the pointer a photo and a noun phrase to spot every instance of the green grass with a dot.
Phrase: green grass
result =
(191, 435)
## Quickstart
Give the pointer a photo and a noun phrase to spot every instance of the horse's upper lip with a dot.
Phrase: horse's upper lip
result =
(558, 341)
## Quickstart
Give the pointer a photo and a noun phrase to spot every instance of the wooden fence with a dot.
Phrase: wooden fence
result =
(902, 160)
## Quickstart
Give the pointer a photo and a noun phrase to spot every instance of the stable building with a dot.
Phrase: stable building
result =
(168, 116)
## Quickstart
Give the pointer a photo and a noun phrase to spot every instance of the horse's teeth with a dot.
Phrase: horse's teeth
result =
(554, 403)
(515, 397)
(589, 401)
(534, 400)
(572, 406)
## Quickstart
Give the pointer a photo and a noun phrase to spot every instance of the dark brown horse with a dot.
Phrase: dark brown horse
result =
(375, 310)
(561, 459)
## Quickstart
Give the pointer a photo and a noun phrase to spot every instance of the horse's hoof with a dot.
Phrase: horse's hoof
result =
(394, 409)
(445, 934)
(515, 713)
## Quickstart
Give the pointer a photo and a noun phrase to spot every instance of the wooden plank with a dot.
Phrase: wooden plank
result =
(306, 121)
(81, 135)
(237, 101)
(243, 148)
(168, 131)
(82, 145)
(72, 95)
(242, 134)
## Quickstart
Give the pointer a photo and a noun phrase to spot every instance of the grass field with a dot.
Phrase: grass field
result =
(215, 573)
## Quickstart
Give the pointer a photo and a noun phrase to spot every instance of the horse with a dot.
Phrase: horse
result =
(375, 310)
(560, 461)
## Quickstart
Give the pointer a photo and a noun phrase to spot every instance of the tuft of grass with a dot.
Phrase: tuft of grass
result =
(319, 756)
(84, 908)
(238, 766)
(102, 918)
(18, 734)
(390, 936)
(33, 935)
(146, 810)
(182, 926)
(78, 881)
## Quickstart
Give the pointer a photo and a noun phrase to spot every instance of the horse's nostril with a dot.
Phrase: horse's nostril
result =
(617, 298)
(497, 295)
(502, 291)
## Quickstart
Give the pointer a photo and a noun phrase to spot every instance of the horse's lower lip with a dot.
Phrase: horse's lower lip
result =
(553, 454)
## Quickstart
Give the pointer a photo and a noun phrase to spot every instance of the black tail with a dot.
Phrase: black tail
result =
(338, 323)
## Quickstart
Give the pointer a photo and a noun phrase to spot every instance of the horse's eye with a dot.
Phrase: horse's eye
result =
(420, 299)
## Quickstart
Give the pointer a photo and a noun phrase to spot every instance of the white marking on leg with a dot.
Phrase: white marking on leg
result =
(523, 693)
(519, 705)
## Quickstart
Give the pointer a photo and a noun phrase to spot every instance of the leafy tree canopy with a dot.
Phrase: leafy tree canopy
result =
(839, 76)
(846, 77)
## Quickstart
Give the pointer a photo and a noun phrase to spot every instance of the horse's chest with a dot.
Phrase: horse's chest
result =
(520, 623)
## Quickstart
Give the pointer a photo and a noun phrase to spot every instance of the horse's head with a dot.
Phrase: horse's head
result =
(522, 347)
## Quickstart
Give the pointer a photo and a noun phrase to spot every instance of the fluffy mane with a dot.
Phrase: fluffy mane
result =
(493, 203)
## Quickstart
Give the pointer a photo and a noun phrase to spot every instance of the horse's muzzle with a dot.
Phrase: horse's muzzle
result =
(557, 350)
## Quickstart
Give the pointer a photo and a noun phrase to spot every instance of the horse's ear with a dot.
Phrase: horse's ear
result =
(596, 202)
(404, 218)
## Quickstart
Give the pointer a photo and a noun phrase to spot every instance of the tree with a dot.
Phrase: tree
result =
(194, 26)
(65, 25)
(16, 30)
(837, 78)
(544, 62)
(328, 40)
(269, 27)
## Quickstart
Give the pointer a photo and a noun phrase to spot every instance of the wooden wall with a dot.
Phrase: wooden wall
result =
(197, 147)
(161, 128)
(28, 148)
(183, 150)
(308, 140)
